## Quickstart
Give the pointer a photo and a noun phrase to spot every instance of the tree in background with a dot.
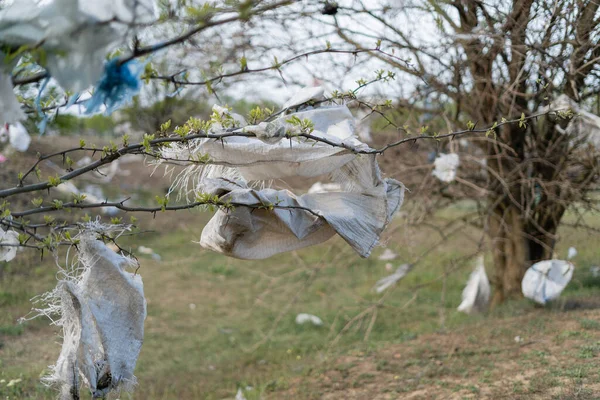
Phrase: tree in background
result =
(477, 64)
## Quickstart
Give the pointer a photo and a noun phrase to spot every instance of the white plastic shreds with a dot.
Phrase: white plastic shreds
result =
(391, 280)
(265, 222)
(445, 166)
(572, 253)
(9, 243)
(303, 318)
(102, 311)
(476, 295)
(544, 281)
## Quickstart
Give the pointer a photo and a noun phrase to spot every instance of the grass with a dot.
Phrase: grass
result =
(217, 324)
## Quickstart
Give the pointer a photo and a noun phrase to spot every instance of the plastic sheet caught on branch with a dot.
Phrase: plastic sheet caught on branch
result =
(583, 124)
(9, 242)
(476, 295)
(117, 86)
(74, 35)
(544, 281)
(446, 166)
(102, 310)
(358, 212)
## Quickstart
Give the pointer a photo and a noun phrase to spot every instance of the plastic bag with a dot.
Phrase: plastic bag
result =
(102, 316)
(476, 295)
(544, 281)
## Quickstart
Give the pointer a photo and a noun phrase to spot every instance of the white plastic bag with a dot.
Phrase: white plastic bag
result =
(446, 166)
(102, 316)
(18, 137)
(10, 240)
(544, 281)
(267, 222)
(476, 295)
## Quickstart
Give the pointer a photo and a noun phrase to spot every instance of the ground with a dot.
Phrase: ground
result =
(217, 324)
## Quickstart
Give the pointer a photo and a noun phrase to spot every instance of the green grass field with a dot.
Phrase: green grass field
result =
(217, 324)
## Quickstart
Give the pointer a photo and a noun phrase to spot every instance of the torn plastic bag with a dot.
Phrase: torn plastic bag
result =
(102, 316)
(545, 280)
(256, 232)
(476, 295)
(358, 211)
(256, 160)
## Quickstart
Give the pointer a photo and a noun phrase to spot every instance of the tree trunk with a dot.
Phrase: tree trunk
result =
(517, 245)
(510, 252)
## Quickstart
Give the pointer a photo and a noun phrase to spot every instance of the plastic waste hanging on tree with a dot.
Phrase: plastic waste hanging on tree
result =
(74, 38)
(445, 166)
(102, 311)
(267, 221)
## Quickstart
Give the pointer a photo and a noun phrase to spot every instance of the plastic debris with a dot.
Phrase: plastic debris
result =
(102, 312)
(18, 137)
(304, 96)
(445, 166)
(364, 126)
(391, 280)
(595, 270)
(359, 212)
(145, 250)
(10, 242)
(584, 124)
(117, 86)
(304, 318)
(319, 187)
(518, 339)
(388, 255)
(572, 253)
(150, 252)
(476, 295)
(75, 35)
(240, 395)
(544, 281)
